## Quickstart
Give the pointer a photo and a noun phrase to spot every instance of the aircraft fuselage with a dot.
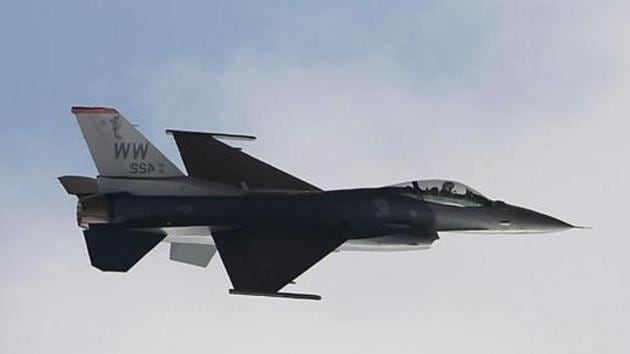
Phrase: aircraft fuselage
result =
(384, 218)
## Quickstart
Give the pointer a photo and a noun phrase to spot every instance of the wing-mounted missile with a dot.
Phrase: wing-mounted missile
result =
(222, 136)
(276, 294)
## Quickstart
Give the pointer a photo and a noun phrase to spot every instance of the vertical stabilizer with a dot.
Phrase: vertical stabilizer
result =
(118, 148)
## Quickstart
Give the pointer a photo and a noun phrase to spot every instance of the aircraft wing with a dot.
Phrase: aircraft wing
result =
(260, 263)
(208, 158)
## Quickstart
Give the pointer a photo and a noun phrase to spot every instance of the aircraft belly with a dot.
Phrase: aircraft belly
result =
(396, 242)
(191, 235)
(202, 236)
(347, 246)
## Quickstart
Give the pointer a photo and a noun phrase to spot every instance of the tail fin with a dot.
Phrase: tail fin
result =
(118, 148)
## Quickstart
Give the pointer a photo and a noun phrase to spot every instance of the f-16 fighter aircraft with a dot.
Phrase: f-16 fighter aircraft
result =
(267, 225)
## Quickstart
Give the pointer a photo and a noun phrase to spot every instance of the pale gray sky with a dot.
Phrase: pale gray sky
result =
(526, 102)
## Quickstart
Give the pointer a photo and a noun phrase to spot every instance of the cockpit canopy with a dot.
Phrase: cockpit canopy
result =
(445, 192)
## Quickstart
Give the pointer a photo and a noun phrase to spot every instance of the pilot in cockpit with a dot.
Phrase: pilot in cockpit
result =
(447, 188)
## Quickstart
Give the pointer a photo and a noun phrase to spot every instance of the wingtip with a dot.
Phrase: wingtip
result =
(92, 110)
(213, 135)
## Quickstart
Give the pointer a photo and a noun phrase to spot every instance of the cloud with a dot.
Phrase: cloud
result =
(526, 102)
(526, 77)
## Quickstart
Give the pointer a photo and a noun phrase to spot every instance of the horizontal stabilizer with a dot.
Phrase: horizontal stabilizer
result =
(117, 250)
(78, 185)
(193, 254)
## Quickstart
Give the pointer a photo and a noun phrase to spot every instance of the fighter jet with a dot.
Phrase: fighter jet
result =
(267, 225)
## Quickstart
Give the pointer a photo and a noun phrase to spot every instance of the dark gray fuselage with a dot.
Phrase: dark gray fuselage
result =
(355, 214)
(387, 215)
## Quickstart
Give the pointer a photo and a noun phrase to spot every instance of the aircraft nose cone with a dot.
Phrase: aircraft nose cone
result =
(552, 224)
(537, 222)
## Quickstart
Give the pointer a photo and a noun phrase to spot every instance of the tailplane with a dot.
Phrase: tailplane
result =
(117, 250)
(118, 148)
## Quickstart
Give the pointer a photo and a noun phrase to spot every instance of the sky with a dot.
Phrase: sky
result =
(527, 102)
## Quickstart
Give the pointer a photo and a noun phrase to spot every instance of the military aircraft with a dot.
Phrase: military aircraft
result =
(267, 225)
